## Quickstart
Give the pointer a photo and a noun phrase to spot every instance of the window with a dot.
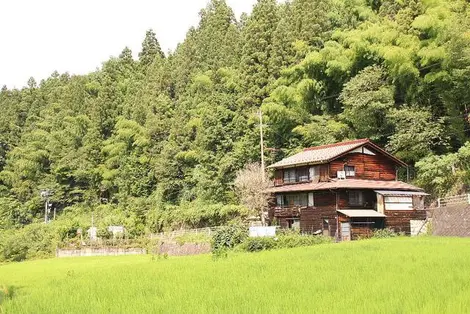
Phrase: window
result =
(296, 199)
(279, 200)
(289, 175)
(349, 171)
(398, 203)
(294, 223)
(355, 198)
(302, 173)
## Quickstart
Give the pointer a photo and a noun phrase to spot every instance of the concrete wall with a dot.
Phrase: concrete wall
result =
(418, 227)
(99, 252)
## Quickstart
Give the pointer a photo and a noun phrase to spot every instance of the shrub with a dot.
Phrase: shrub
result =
(295, 240)
(287, 240)
(14, 249)
(228, 237)
(384, 233)
(258, 244)
(33, 241)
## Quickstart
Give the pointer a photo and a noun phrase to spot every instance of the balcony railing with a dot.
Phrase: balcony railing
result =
(293, 211)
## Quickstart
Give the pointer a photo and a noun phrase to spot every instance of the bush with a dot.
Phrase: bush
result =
(258, 244)
(33, 241)
(14, 249)
(384, 233)
(228, 237)
(295, 240)
(287, 240)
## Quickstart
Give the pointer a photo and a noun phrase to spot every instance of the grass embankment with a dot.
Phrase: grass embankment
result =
(401, 275)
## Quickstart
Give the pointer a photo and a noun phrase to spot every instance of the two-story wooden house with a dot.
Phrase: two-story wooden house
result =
(344, 190)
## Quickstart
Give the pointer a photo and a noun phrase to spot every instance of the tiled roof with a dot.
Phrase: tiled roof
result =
(345, 184)
(319, 154)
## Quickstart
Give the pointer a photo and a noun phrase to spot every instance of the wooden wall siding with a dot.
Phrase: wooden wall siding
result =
(399, 220)
(283, 223)
(322, 199)
(368, 196)
(311, 219)
(369, 167)
(324, 173)
(278, 178)
(287, 211)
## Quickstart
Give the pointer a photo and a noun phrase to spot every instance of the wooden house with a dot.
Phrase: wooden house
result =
(345, 190)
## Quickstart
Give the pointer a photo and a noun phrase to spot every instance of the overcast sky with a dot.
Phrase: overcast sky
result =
(38, 37)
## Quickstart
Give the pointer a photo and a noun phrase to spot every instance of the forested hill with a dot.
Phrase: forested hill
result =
(142, 139)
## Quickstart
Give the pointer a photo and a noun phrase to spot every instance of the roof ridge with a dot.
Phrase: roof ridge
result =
(362, 140)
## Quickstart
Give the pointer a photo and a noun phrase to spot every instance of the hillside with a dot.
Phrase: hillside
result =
(401, 275)
(154, 143)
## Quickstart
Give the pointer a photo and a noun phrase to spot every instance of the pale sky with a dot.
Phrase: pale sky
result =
(40, 36)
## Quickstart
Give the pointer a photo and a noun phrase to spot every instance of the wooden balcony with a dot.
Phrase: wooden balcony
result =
(293, 211)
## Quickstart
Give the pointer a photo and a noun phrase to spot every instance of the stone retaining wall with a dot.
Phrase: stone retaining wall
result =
(175, 249)
(451, 221)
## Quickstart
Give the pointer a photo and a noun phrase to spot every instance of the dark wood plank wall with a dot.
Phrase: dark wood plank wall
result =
(278, 177)
(377, 167)
(399, 220)
(311, 218)
(324, 173)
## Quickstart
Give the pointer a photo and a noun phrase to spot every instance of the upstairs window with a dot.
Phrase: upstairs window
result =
(355, 198)
(302, 173)
(350, 171)
(300, 199)
(289, 176)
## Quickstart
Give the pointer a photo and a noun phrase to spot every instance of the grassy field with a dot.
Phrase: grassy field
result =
(400, 275)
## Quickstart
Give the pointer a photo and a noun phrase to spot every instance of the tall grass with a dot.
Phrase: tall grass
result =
(399, 275)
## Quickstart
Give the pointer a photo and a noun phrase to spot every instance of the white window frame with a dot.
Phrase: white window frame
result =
(398, 202)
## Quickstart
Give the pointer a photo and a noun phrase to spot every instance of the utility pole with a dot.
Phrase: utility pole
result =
(261, 142)
(45, 195)
(46, 207)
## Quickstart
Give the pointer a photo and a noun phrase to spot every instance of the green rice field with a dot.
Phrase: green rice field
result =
(399, 275)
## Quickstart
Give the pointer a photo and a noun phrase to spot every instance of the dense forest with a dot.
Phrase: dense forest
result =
(155, 142)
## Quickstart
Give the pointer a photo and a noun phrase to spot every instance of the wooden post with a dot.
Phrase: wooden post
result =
(439, 202)
(261, 143)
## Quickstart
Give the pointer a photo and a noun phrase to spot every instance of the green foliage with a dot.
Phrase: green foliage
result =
(228, 237)
(283, 240)
(33, 241)
(384, 233)
(417, 134)
(258, 244)
(367, 98)
(446, 174)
